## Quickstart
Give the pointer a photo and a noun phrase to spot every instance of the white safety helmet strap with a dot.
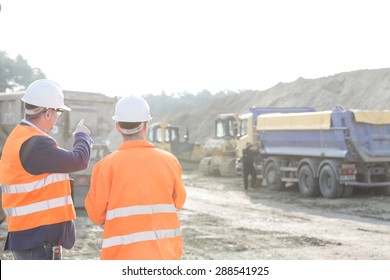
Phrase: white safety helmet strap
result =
(34, 111)
(132, 130)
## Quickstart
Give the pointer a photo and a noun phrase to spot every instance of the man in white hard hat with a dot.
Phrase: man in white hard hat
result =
(136, 191)
(36, 189)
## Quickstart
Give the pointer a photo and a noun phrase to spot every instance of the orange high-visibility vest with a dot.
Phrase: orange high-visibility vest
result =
(135, 192)
(31, 201)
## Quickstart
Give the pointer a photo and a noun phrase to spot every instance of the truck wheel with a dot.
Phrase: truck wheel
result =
(329, 185)
(273, 178)
(308, 184)
(204, 166)
(227, 168)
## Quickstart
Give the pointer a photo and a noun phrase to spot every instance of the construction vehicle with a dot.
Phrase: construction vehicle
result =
(219, 152)
(247, 127)
(223, 152)
(328, 152)
(167, 137)
(96, 109)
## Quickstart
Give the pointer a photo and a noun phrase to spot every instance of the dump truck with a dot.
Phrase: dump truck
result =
(219, 152)
(247, 127)
(96, 109)
(328, 153)
(222, 153)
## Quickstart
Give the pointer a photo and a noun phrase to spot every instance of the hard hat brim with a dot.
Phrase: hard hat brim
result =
(117, 119)
(66, 108)
(63, 107)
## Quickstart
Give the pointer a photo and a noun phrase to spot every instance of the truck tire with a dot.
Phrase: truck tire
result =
(308, 184)
(329, 185)
(204, 166)
(273, 178)
(227, 168)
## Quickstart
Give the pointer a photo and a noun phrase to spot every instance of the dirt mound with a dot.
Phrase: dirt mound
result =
(362, 89)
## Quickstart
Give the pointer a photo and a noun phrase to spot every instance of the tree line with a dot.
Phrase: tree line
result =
(185, 100)
(16, 74)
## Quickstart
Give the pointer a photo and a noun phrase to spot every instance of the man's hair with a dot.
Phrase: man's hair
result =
(129, 125)
(32, 107)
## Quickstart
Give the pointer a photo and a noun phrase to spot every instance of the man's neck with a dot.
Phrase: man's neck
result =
(133, 138)
(34, 124)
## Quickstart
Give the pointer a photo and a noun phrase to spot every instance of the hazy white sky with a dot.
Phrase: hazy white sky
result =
(120, 47)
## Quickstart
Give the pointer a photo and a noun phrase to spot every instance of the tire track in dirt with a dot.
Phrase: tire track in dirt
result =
(261, 224)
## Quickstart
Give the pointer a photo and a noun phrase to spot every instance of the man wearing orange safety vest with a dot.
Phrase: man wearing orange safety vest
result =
(136, 191)
(36, 192)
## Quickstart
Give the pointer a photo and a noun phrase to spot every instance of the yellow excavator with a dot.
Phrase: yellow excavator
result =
(167, 137)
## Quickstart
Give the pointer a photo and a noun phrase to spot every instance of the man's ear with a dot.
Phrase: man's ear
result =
(145, 130)
(146, 124)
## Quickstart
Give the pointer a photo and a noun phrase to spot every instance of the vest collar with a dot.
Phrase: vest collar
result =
(135, 144)
(25, 122)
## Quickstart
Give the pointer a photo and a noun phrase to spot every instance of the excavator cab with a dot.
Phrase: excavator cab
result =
(164, 136)
(220, 151)
(226, 126)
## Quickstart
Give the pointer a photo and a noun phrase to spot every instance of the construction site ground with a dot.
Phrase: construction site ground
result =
(222, 221)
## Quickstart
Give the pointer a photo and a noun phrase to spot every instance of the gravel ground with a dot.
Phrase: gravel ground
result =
(221, 221)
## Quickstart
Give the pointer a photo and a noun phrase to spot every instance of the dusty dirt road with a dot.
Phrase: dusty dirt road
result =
(221, 221)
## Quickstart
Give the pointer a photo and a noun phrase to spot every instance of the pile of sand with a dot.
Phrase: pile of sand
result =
(362, 89)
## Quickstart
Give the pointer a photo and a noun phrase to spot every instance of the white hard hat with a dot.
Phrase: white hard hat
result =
(132, 109)
(45, 93)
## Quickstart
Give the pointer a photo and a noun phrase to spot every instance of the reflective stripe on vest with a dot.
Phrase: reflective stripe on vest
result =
(39, 206)
(141, 236)
(140, 210)
(28, 187)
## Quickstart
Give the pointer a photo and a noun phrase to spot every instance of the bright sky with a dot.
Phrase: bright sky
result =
(120, 47)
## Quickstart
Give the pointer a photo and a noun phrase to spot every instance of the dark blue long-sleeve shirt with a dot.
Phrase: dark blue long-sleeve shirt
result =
(39, 155)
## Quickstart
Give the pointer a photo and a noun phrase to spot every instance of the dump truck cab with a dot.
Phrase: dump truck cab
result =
(247, 127)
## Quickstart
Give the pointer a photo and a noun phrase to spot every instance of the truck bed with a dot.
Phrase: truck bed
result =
(352, 135)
